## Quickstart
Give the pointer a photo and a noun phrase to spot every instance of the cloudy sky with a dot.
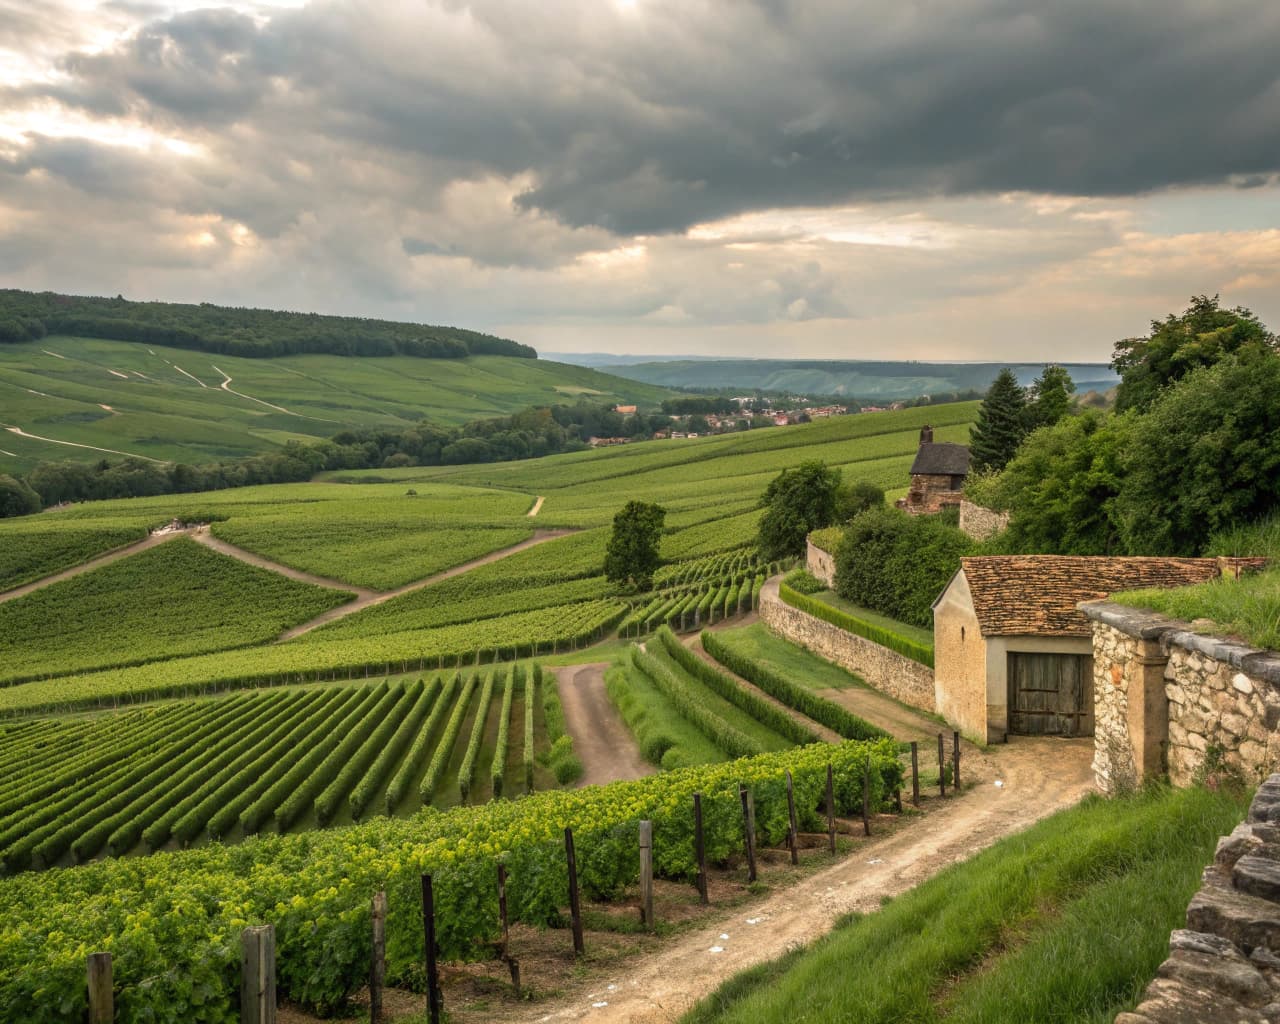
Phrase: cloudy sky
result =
(820, 178)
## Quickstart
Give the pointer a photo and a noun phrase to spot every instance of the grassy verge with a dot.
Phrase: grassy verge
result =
(1066, 921)
(788, 660)
(924, 637)
(665, 738)
(842, 619)
(1248, 607)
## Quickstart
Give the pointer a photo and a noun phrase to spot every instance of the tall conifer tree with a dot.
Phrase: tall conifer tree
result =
(1001, 423)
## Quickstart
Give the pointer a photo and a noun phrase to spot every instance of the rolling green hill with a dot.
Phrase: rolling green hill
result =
(90, 398)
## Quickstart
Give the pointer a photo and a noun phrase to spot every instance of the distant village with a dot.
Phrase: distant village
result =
(753, 411)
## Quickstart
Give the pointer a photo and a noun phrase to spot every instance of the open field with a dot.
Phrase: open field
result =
(187, 406)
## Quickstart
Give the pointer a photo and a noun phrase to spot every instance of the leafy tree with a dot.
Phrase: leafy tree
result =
(632, 554)
(16, 498)
(1061, 488)
(1001, 423)
(1050, 397)
(1204, 334)
(797, 502)
(898, 564)
(1206, 457)
(855, 497)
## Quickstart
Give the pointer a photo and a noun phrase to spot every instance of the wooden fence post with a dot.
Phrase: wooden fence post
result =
(575, 907)
(955, 760)
(101, 997)
(915, 773)
(866, 798)
(434, 1002)
(258, 975)
(831, 811)
(791, 820)
(513, 965)
(700, 848)
(942, 766)
(646, 874)
(378, 965)
(749, 830)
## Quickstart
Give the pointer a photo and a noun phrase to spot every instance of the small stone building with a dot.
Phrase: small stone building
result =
(937, 475)
(1013, 653)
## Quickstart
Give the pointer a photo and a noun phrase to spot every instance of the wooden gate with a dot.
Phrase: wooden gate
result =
(1050, 694)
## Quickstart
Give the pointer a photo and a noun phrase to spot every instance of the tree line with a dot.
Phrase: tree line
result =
(237, 331)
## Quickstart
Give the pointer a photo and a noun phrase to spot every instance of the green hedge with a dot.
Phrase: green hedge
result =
(686, 701)
(808, 703)
(852, 624)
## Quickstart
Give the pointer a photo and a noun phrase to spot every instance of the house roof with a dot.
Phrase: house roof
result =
(941, 458)
(1019, 595)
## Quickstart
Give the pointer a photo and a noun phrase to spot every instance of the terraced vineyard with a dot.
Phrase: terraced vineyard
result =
(176, 599)
(275, 760)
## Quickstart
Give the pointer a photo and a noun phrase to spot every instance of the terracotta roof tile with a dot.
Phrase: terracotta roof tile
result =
(1017, 595)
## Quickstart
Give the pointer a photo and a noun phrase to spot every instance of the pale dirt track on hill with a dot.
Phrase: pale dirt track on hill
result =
(93, 563)
(1039, 776)
(605, 747)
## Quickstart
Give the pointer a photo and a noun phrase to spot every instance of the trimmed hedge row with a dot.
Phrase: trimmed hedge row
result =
(732, 741)
(367, 788)
(720, 683)
(467, 770)
(409, 772)
(851, 624)
(833, 716)
(444, 749)
(499, 768)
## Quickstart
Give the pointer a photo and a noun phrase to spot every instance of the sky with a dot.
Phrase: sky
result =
(931, 179)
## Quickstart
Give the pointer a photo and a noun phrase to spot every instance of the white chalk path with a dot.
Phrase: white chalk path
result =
(54, 354)
(72, 444)
(12, 455)
(537, 507)
(191, 375)
(117, 373)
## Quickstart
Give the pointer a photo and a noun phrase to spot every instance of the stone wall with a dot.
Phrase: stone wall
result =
(821, 564)
(1223, 967)
(886, 670)
(981, 523)
(1167, 699)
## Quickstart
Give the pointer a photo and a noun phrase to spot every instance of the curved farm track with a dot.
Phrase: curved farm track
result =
(605, 747)
(150, 541)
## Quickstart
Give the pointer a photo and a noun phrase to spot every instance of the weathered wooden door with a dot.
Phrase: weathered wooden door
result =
(1050, 694)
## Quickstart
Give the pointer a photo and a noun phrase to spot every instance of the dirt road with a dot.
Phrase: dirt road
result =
(93, 563)
(608, 752)
(1038, 776)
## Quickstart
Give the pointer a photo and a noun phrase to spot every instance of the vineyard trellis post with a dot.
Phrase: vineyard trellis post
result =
(866, 797)
(575, 907)
(700, 849)
(513, 965)
(646, 874)
(942, 766)
(749, 829)
(831, 811)
(101, 997)
(955, 760)
(258, 975)
(378, 962)
(915, 773)
(434, 1002)
(791, 820)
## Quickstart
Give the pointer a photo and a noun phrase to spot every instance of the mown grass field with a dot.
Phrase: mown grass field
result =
(169, 404)
(1067, 921)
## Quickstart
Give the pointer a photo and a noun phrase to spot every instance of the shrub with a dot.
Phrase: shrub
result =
(843, 620)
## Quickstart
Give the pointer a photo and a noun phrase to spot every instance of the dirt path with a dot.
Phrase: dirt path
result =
(202, 535)
(226, 386)
(605, 747)
(93, 563)
(537, 507)
(72, 444)
(1038, 776)
(368, 598)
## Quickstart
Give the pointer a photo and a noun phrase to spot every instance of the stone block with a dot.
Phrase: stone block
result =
(1246, 920)
(1234, 723)
(1232, 976)
(1258, 876)
(1241, 682)
(1241, 842)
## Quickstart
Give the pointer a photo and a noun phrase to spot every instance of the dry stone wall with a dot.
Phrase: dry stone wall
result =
(1223, 968)
(1167, 699)
(886, 670)
(821, 564)
(981, 523)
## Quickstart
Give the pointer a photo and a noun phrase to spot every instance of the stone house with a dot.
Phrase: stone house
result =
(937, 475)
(1013, 653)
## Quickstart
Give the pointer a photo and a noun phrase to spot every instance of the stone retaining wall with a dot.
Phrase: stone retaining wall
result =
(1223, 967)
(888, 671)
(979, 522)
(821, 564)
(1167, 699)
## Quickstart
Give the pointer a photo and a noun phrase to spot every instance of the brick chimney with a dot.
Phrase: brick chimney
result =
(926, 434)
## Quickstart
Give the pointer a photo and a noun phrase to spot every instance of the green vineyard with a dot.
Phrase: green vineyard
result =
(275, 760)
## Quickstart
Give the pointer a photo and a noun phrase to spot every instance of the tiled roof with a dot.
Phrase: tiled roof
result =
(941, 458)
(1018, 595)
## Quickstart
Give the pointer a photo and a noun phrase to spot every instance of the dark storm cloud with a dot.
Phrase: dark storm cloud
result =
(653, 119)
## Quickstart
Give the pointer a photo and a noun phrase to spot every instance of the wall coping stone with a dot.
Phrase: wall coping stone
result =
(1152, 626)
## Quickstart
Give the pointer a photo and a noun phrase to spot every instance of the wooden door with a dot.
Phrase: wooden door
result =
(1050, 694)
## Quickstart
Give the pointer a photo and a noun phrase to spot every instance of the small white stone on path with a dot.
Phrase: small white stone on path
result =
(876, 860)
(754, 920)
(724, 935)
(599, 1006)
(999, 784)
(716, 949)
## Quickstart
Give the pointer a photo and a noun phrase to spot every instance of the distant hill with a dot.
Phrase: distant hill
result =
(229, 330)
(88, 398)
(855, 379)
